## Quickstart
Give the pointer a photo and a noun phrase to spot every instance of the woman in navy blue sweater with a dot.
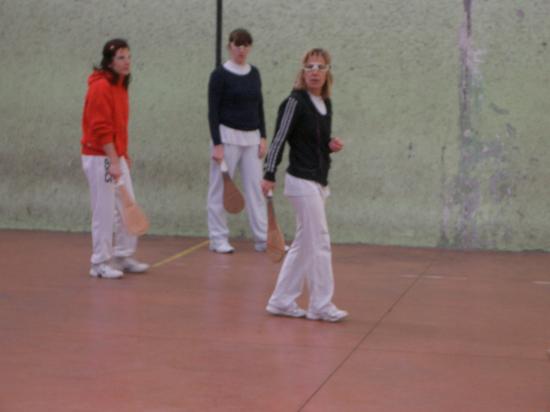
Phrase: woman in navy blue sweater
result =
(237, 128)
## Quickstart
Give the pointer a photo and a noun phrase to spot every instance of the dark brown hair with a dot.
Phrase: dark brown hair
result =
(109, 51)
(240, 37)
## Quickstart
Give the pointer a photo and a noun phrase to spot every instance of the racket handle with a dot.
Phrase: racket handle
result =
(125, 196)
(223, 167)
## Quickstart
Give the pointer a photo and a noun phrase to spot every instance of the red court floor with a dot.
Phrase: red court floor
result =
(429, 330)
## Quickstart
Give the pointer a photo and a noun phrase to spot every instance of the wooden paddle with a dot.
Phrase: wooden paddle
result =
(275, 237)
(134, 218)
(233, 200)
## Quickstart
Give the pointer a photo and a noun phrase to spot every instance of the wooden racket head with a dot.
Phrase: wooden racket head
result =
(133, 217)
(135, 220)
(275, 238)
(233, 200)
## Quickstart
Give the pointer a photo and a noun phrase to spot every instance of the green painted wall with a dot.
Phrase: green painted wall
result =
(442, 104)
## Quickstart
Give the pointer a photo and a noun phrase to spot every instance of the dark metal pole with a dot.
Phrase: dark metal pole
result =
(219, 15)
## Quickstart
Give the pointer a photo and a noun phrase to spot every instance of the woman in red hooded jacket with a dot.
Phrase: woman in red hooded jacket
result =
(105, 161)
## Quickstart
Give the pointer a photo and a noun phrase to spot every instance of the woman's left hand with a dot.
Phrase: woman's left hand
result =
(267, 186)
(262, 149)
(336, 144)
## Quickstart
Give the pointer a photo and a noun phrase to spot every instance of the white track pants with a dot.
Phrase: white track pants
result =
(106, 204)
(250, 167)
(309, 256)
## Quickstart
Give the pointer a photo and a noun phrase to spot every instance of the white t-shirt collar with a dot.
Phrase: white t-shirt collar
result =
(240, 69)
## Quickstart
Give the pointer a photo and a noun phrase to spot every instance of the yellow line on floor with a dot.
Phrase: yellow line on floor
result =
(181, 254)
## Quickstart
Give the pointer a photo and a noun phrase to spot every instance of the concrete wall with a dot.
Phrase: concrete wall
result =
(443, 106)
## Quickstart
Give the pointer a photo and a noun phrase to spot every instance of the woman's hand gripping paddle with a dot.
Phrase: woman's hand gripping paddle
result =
(275, 238)
(233, 200)
(134, 218)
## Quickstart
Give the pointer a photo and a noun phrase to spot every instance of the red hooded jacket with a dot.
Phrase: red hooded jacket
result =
(105, 117)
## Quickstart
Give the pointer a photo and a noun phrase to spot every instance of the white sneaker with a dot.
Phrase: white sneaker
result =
(260, 246)
(128, 264)
(103, 270)
(221, 247)
(294, 311)
(333, 314)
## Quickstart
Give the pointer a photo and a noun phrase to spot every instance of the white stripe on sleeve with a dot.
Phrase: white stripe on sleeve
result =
(280, 137)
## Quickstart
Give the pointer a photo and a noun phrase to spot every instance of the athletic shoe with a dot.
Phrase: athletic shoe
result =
(130, 265)
(293, 311)
(260, 246)
(221, 247)
(103, 270)
(333, 314)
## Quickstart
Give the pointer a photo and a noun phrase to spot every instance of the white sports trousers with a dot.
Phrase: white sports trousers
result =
(310, 256)
(250, 168)
(106, 206)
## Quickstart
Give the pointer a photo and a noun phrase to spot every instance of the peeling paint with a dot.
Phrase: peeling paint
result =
(501, 186)
(484, 183)
(443, 238)
(520, 14)
(511, 130)
(498, 110)
(466, 192)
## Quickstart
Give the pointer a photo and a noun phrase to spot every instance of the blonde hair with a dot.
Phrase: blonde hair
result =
(300, 83)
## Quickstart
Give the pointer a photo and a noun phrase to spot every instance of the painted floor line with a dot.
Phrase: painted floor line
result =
(181, 254)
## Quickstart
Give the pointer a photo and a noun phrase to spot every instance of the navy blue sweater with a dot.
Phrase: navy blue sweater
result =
(235, 101)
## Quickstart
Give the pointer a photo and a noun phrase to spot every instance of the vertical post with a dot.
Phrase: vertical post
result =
(219, 14)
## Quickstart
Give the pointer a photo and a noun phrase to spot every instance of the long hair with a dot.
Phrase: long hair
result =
(109, 51)
(300, 83)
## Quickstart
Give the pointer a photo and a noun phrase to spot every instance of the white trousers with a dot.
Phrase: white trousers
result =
(106, 206)
(310, 256)
(250, 168)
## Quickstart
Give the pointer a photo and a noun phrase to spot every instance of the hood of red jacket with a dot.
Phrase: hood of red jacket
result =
(99, 75)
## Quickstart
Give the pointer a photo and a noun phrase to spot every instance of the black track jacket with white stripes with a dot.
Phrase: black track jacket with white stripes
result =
(308, 135)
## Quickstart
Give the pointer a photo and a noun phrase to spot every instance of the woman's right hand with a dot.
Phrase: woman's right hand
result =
(267, 186)
(114, 161)
(217, 153)
(114, 170)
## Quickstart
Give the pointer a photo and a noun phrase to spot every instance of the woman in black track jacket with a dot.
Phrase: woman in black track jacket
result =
(304, 121)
